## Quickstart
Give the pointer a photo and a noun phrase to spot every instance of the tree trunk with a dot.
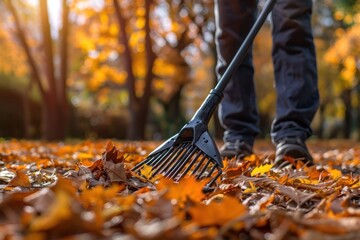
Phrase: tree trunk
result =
(54, 103)
(51, 119)
(62, 86)
(137, 125)
(27, 111)
(150, 59)
(320, 132)
(357, 89)
(358, 113)
(173, 114)
(23, 43)
(48, 51)
(138, 106)
(53, 93)
(348, 115)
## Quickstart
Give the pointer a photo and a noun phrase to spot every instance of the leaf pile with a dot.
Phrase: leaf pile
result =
(86, 190)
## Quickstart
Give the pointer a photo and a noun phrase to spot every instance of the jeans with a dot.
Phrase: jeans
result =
(295, 70)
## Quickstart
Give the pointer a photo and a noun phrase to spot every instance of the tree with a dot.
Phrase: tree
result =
(344, 55)
(152, 56)
(138, 105)
(52, 86)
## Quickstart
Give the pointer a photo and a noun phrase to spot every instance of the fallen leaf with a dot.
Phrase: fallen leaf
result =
(252, 188)
(146, 171)
(251, 158)
(58, 212)
(188, 187)
(215, 213)
(335, 174)
(6, 176)
(261, 170)
(20, 180)
(115, 171)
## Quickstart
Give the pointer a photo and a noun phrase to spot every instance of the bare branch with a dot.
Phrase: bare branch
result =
(25, 46)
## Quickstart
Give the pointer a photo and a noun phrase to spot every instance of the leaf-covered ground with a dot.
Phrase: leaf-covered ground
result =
(85, 190)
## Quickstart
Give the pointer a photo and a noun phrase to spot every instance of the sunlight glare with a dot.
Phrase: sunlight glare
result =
(54, 8)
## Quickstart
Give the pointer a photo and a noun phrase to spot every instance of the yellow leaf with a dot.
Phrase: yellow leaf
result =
(252, 188)
(140, 11)
(339, 15)
(335, 174)
(261, 169)
(140, 23)
(303, 180)
(113, 29)
(104, 19)
(356, 185)
(146, 171)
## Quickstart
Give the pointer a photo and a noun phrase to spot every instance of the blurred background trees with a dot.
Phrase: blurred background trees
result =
(138, 69)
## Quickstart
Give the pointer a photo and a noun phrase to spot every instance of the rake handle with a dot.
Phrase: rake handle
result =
(244, 48)
(214, 98)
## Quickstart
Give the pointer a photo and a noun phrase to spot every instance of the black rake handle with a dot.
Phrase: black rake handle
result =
(241, 53)
(208, 107)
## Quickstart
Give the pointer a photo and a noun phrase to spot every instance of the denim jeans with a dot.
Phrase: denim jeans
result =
(295, 70)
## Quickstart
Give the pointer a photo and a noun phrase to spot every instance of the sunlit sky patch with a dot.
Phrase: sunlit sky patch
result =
(54, 7)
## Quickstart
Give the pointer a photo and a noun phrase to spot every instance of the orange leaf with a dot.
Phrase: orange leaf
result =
(290, 160)
(20, 180)
(217, 213)
(186, 188)
(234, 172)
(251, 158)
(59, 211)
(97, 165)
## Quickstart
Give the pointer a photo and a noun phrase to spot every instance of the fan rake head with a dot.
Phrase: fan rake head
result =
(191, 152)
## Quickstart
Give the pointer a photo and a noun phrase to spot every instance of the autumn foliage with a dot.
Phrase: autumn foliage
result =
(86, 190)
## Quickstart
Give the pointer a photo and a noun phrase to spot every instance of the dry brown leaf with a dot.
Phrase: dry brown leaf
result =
(115, 171)
(20, 180)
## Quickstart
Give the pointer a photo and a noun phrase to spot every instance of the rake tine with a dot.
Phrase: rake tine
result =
(171, 151)
(212, 181)
(178, 163)
(211, 171)
(159, 156)
(152, 159)
(164, 165)
(198, 165)
(187, 158)
(190, 165)
(203, 169)
(168, 164)
(146, 161)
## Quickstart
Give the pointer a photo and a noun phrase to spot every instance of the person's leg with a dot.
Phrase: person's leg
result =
(237, 111)
(295, 73)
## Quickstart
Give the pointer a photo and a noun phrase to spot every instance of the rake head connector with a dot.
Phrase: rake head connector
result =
(190, 152)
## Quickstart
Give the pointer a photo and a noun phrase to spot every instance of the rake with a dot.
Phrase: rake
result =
(192, 151)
